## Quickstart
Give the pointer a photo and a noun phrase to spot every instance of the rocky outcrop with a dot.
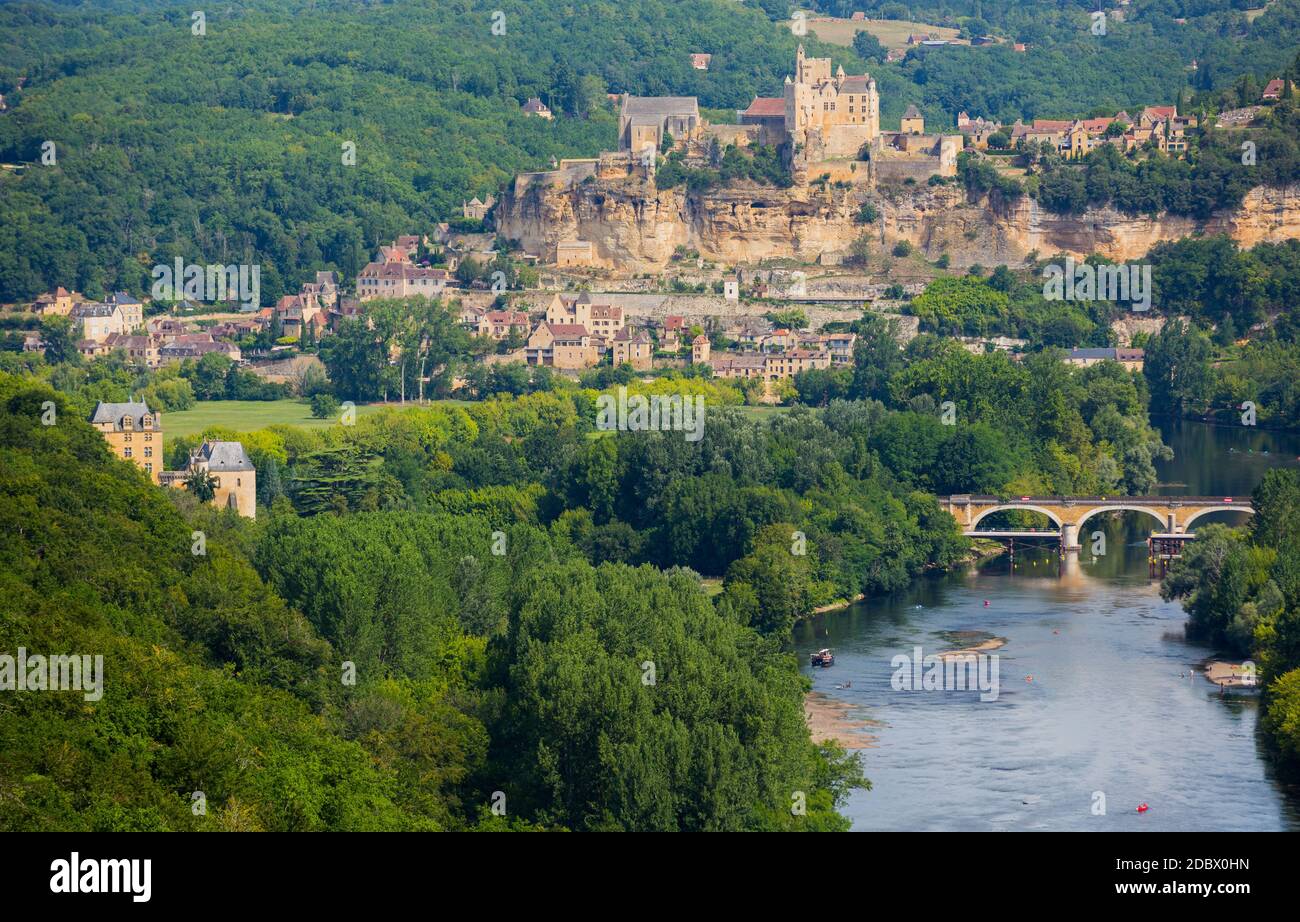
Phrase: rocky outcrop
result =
(635, 227)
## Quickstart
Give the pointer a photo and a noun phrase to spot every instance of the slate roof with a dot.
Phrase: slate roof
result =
(659, 107)
(224, 457)
(1121, 355)
(93, 309)
(112, 413)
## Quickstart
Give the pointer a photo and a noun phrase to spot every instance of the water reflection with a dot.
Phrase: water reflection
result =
(1116, 712)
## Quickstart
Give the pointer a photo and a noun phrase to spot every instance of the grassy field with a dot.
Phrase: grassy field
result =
(246, 416)
(891, 32)
(1252, 15)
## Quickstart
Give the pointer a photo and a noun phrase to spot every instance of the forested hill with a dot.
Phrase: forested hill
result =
(216, 683)
(229, 145)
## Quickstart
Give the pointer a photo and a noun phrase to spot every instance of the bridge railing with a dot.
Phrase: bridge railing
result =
(985, 500)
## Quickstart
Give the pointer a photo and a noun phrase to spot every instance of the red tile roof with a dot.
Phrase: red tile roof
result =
(766, 107)
(567, 329)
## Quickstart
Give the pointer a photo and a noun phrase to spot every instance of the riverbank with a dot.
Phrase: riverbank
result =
(981, 550)
(837, 605)
(1230, 675)
(829, 721)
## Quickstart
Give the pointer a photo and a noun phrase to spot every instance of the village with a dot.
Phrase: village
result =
(570, 311)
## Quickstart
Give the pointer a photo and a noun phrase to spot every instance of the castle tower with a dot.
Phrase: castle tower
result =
(830, 116)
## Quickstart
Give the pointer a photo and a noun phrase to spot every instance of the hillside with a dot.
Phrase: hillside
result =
(228, 145)
(335, 672)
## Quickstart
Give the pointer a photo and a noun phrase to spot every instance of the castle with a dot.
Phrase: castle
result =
(826, 124)
(830, 117)
(832, 124)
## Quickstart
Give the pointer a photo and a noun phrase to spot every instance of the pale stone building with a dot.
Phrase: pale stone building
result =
(133, 432)
(601, 320)
(536, 107)
(98, 321)
(913, 122)
(643, 121)
(400, 280)
(633, 349)
(830, 115)
(477, 210)
(561, 345)
(1131, 359)
(499, 324)
(575, 253)
(57, 303)
(233, 472)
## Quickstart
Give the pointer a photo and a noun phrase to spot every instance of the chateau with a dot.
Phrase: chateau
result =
(830, 116)
(133, 433)
(234, 477)
(825, 127)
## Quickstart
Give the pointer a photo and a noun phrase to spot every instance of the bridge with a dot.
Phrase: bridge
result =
(1173, 514)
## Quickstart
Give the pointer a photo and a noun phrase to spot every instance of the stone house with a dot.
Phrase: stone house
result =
(561, 345)
(133, 433)
(229, 466)
(635, 349)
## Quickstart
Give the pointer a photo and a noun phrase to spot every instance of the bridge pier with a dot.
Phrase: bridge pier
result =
(1069, 537)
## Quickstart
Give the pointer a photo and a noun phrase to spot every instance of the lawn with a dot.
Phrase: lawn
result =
(891, 32)
(1252, 15)
(246, 416)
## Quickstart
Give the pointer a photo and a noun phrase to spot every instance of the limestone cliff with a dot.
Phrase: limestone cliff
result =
(635, 227)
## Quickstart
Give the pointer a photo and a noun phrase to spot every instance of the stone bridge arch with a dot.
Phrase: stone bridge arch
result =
(1187, 524)
(1015, 507)
(1162, 522)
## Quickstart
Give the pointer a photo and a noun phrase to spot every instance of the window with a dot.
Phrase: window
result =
(127, 437)
(149, 468)
(148, 436)
(148, 452)
(126, 453)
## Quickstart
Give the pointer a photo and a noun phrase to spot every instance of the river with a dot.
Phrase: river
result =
(1098, 708)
